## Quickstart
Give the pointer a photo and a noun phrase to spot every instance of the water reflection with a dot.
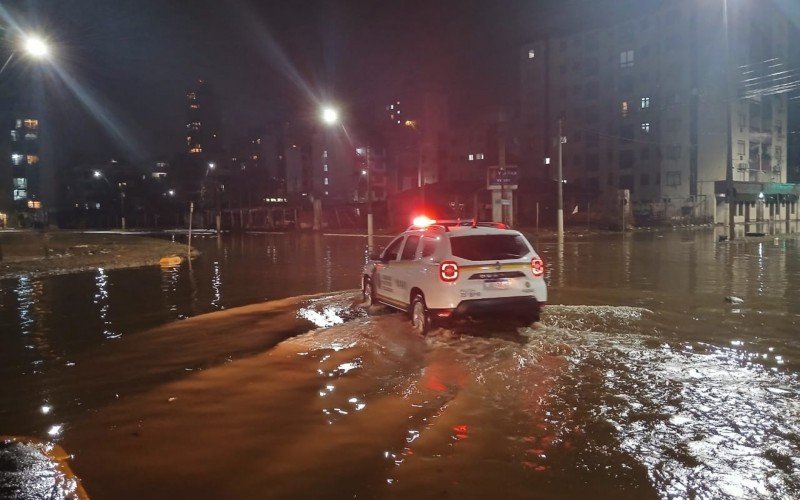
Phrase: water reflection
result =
(102, 301)
(169, 286)
(216, 284)
(24, 294)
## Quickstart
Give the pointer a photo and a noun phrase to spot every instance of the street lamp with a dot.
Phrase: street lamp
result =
(218, 217)
(330, 117)
(97, 174)
(35, 46)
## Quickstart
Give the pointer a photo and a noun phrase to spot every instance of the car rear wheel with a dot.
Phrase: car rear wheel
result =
(368, 293)
(420, 317)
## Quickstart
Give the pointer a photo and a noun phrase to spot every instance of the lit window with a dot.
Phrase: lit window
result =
(325, 181)
(20, 183)
(325, 167)
(32, 159)
(326, 193)
(31, 124)
(646, 127)
(194, 106)
(531, 53)
(624, 108)
(17, 158)
(20, 194)
(470, 157)
(626, 59)
(645, 102)
(34, 204)
(14, 135)
(196, 149)
(325, 154)
(479, 156)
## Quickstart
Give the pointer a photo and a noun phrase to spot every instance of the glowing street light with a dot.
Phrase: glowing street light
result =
(330, 115)
(212, 165)
(171, 192)
(97, 174)
(36, 47)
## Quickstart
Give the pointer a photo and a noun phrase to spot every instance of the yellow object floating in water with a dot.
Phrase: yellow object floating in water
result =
(171, 261)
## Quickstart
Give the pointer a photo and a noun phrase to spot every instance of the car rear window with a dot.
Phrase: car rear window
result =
(489, 247)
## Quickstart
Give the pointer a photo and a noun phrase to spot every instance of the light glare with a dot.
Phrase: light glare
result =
(330, 116)
(36, 47)
(423, 221)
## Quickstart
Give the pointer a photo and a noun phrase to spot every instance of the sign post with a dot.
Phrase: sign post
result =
(189, 244)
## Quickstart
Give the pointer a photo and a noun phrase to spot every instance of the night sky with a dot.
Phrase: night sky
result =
(135, 59)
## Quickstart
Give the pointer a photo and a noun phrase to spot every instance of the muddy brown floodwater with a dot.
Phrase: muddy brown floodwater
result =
(643, 383)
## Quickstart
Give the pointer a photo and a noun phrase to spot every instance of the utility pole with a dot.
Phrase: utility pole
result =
(370, 238)
(731, 191)
(189, 244)
(121, 187)
(560, 213)
(502, 170)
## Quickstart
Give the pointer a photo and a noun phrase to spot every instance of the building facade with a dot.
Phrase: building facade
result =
(202, 121)
(25, 170)
(651, 105)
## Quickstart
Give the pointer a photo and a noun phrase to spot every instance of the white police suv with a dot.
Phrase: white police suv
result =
(442, 270)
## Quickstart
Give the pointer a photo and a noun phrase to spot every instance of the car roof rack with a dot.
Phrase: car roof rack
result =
(474, 223)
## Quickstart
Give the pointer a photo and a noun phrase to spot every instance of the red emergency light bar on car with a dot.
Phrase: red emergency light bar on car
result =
(423, 222)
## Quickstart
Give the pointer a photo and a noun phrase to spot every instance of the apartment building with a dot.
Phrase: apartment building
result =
(652, 105)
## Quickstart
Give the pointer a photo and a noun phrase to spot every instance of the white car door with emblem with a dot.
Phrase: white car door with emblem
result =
(407, 269)
(384, 275)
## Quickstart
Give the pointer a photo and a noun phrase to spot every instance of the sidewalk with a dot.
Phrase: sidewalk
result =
(36, 253)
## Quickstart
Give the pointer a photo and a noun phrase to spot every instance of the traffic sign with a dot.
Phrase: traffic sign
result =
(506, 178)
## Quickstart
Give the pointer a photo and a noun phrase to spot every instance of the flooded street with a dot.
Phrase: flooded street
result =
(644, 382)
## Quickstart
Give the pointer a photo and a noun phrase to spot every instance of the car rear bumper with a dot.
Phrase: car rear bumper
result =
(501, 308)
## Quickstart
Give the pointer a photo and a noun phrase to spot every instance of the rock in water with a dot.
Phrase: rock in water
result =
(734, 300)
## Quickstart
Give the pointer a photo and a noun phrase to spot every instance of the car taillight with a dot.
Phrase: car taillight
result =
(448, 271)
(537, 266)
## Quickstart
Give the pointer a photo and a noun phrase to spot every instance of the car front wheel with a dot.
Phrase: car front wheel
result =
(368, 293)
(420, 317)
